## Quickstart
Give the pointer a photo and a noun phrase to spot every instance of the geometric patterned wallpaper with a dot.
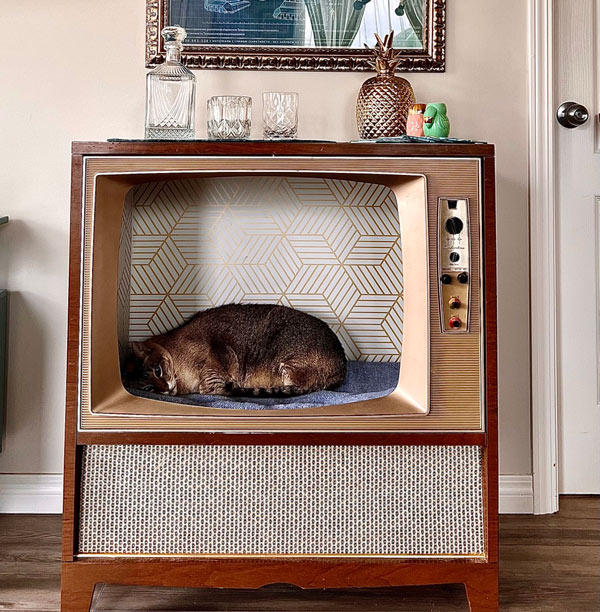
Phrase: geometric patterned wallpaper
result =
(324, 246)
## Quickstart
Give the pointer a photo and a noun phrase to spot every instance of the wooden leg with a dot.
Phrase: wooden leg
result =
(482, 593)
(76, 596)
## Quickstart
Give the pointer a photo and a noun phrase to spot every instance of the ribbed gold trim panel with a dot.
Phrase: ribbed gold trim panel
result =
(455, 360)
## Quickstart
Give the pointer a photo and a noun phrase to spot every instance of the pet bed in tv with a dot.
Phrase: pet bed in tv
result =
(364, 380)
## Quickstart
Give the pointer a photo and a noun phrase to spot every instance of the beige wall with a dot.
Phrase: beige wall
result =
(75, 72)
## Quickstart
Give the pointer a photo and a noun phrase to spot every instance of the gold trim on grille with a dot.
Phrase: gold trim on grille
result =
(241, 557)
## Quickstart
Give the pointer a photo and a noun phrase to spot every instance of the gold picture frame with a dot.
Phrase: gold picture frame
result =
(421, 46)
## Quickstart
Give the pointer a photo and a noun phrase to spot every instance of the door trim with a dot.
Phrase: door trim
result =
(543, 256)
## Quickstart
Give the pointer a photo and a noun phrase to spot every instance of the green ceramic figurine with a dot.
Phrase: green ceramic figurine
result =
(435, 121)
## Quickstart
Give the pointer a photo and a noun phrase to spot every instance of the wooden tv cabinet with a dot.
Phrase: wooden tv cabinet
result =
(81, 573)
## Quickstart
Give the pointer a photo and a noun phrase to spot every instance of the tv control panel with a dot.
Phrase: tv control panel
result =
(454, 264)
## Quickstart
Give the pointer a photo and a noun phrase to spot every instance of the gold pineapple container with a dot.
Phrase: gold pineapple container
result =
(385, 99)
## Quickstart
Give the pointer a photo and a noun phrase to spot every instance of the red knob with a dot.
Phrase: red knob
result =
(454, 302)
(454, 322)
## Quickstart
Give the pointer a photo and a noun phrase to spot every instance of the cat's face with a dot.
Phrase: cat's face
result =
(156, 371)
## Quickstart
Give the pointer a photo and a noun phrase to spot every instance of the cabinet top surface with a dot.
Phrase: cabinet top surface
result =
(311, 148)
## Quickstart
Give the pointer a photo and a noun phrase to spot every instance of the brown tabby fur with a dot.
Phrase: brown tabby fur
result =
(243, 349)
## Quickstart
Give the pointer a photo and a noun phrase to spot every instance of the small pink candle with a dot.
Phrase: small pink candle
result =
(414, 124)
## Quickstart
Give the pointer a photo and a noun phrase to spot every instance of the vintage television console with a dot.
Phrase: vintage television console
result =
(391, 481)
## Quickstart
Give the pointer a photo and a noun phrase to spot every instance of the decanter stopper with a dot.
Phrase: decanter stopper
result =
(171, 93)
(174, 34)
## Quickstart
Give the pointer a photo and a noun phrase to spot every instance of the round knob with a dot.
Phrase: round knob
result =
(446, 279)
(454, 302)
(454, 256)
(454, 225)
(454, 322)
(572, 114)
(463, 278)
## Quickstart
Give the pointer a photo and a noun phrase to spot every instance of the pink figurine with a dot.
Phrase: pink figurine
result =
(414, 124)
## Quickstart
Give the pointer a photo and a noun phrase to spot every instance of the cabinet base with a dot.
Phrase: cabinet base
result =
(79, 578)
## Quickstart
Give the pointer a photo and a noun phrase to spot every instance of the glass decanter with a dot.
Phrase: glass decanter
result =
(170, 93)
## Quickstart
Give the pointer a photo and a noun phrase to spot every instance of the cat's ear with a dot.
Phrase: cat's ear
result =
(161, 353)
(141, 349)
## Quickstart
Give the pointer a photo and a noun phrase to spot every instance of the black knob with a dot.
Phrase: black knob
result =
(454, 256)
(463, 278)
(446, 279)
(454, 225)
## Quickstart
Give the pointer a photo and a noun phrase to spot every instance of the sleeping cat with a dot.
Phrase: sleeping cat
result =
(242, 349)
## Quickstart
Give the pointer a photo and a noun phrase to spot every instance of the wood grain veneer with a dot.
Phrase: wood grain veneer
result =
(264, 147)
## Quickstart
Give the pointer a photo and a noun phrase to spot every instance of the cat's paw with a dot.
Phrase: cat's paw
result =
(284, 373)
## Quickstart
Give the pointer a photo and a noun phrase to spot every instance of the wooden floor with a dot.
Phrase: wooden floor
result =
(548, 564)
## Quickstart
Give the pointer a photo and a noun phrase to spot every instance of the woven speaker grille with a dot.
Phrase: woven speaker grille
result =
(282, 500)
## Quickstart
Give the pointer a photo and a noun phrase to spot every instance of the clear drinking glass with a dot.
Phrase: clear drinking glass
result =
(170, 93)
(228, 117)
(280, 115)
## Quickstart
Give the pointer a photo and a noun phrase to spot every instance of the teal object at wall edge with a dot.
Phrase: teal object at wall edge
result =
(3, 342)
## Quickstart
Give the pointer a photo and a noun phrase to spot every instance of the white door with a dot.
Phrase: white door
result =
(577, 44)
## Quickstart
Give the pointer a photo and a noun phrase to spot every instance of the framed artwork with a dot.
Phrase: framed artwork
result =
(299, 34)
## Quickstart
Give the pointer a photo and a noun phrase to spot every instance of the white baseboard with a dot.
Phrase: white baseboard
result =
(42, 494)
(31, 493)
(516, 494)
